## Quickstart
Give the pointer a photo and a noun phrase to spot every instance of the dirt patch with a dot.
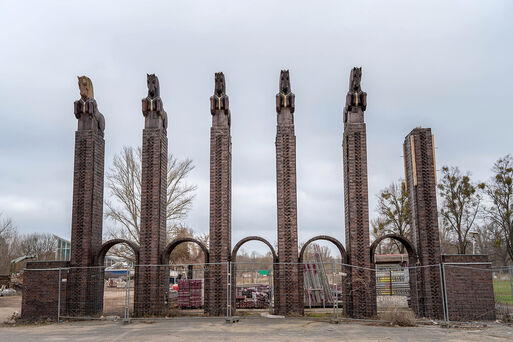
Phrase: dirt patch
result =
(8, 305)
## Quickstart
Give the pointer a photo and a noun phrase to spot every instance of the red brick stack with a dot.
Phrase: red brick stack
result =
(190, 293)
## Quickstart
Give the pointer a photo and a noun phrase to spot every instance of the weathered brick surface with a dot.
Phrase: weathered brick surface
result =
(421, 182)
(220, 214)
(41, 289)
(287, 297)
(85, 284)
(360, 298)
(151, 286)
(469, 287)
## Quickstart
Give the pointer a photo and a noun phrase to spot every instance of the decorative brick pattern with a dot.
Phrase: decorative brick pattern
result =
(151, 286)
(220, 202)
(360, 293)
(86, 225)
(41, 290)
(360, 284)
(469, 288)
(421, 182)
(288, 296)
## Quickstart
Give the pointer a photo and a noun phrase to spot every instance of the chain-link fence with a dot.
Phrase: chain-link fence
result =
(503, 292)
(447, 291)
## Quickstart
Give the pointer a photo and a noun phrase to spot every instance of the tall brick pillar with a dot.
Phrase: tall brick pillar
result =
(419, 162)
(287, 298)
(360, 292)
(84, 284)
(151, 285)
(220, 201)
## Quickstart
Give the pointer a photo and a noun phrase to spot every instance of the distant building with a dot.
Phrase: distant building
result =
(62, 249)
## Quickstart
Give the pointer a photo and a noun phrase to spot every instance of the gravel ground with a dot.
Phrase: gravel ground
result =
(8, 305)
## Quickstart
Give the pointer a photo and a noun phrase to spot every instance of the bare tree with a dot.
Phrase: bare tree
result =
(124, 205)
(7, 226)
(325, 253)
(460, 204)
(42, 246)
(500, 192)
(8, 239)
(393, 216)
(448, 238)
(490, 241)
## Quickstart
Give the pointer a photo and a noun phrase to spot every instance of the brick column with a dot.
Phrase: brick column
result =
(220, 201)
(419, 161)
(85, 284)
(151, 281)
(360, 292)
(287, 298)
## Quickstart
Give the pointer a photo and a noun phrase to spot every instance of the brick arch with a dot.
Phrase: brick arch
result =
(412, 253)
(253, 238)
(337, 243)
(175, 243)
(100, 257)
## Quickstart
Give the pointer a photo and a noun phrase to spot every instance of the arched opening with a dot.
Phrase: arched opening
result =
(323, 274)
(117, 274)
(253, 276)
(186, 262)
(396, 273)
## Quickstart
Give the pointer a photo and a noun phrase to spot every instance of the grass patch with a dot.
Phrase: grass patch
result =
(502, 292)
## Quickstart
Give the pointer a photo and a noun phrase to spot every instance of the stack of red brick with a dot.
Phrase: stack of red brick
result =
(190, 293)
(255, 297)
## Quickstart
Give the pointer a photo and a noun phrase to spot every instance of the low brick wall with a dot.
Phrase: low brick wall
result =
(41, 289)
(469, 287)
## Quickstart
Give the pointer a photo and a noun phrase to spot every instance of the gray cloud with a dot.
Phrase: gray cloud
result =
(445, 65)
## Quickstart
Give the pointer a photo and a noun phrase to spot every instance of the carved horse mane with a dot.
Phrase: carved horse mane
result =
(85, 83)
(153, 86)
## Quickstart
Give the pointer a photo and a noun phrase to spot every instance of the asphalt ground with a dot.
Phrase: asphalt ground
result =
(247, 329)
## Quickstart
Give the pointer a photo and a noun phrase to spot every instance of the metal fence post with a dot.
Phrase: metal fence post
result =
(127, 297)
(446, 306)
(335, 299)
(228, 290)
(59, 298)
(511, 280)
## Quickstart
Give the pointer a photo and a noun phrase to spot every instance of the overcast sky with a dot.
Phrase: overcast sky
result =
(447, 65)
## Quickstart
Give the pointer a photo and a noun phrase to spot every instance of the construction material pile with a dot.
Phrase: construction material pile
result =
(252, 297)
(190, 293)
(317, 289)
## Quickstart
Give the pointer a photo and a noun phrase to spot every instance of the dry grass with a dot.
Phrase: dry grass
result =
(399, 316)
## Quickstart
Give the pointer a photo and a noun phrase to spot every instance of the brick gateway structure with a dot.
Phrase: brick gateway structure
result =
(78, 286)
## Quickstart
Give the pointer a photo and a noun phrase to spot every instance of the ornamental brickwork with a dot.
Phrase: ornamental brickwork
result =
(216, 282)
(87, 208)
(419, 161)
(360, 292)
(288, 297)
(151, 285)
